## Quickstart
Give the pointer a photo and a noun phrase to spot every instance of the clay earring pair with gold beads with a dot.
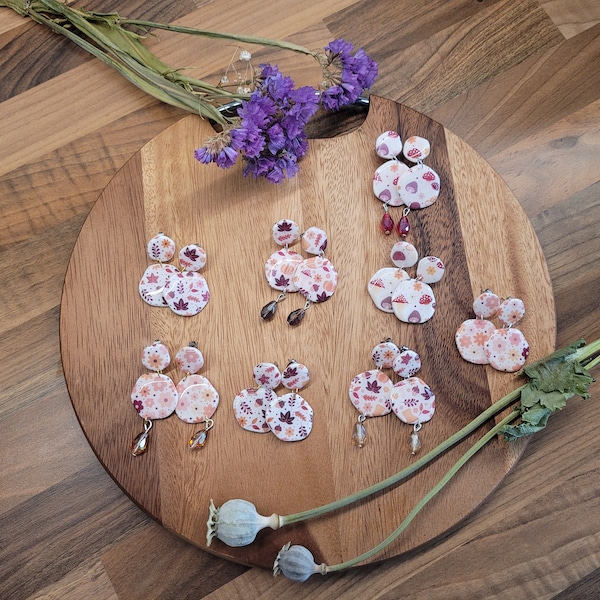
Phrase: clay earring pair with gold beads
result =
(156, 396)
(288, 272)
(373, 393)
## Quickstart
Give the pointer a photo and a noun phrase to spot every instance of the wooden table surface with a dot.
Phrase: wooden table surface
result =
(519, 80)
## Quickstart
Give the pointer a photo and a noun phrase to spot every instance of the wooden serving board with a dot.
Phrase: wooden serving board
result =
(476, 227)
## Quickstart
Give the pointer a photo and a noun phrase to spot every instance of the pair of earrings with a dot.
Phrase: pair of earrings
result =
(155, 396)
(397, 184)
(373, 394)
(288, 272)
(394, 291)
(260, 409)
(480, 342)
(184, 291)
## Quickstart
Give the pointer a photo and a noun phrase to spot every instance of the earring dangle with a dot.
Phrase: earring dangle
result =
(480, 342)
(393, 290)
(290, 416)
(198, 398)
(186, 292)
(260, 410)
(281, 265)
(370, 390)
(315, 278)
(161, 249)
(411, 398)
(397, 184)
(154, 395)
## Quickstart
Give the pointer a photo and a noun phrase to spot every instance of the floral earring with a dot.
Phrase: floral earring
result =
(281, 265)
(411, 398)
(186, 292)
(260, 410)
(480, 342)
(393, 290)
(198, 398)
(154, 395)
(161, 249)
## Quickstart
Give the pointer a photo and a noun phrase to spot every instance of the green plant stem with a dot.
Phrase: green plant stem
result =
(244, 39)
(585, 354)
(429, 496)
(482, 418)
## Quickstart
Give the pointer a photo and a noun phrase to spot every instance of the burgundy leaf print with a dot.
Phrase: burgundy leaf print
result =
(286, 418)
(284, 226)
(181, 305)
(282, 281)
(191, 253)
(323, 297)
(373, 386)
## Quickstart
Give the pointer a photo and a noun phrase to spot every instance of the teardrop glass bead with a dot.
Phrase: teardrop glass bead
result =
(268, 310)
(359, 437)
(296, 316)
(140, 444)
(197, 440)
(387, 223)
(415, 442)
(403, 226)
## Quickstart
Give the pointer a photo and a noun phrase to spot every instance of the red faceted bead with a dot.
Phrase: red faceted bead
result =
(387, 224)
(403, 226)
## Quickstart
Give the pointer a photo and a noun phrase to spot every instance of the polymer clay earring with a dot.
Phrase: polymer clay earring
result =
(315, 277)
(290, 416)
(411, 399)
(480, 342)
(186, 292)
(250, 405)
(393, 290)
(198, 398)
(154, 395)
(370, 390)
(397, 184)
(161, 249)
(281, 265)
(260, 410)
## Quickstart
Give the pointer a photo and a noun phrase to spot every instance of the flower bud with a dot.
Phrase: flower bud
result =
(236, 523)
(297, 563)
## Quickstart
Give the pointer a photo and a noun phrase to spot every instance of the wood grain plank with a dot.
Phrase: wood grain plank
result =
(457, 45)
(574, 16)
(528, 98)
(69, 522)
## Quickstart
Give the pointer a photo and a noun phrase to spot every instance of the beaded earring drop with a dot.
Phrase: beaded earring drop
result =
(198, 398)
(154, 395)
(287, 271)
(397, 184)
(373, 394)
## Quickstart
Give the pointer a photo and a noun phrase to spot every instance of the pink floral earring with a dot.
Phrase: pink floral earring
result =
(154, 395)
(161, 249)
(198, 398)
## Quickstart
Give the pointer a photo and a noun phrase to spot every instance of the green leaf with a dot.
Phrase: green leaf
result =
(554, 400)
(514, 432)
(536, 416)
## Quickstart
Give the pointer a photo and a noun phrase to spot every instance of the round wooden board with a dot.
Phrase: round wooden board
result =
(478, 229)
